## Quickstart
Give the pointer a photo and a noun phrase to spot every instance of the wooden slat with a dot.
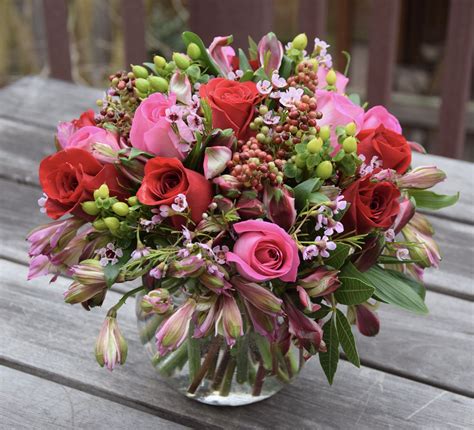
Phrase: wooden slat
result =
(345, 9)
(43, 335)
(57, 36)
(382, 48)
(241, 18)
(312, 18)
(457, 73)
(133, 18)
(28, 402)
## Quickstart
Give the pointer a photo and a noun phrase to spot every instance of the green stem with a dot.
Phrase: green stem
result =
(228, 376)
(211, 357)
(174, 360)
(221, 370)
(242, 359)
(194, 355)
(259, 378)
(113, 310)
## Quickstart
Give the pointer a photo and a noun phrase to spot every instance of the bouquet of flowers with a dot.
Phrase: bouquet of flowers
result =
(263, 208)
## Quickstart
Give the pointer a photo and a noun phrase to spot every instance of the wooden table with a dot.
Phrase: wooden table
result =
(417, 373)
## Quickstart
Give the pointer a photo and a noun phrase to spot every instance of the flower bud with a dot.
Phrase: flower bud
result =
(99, 225)
(424, 249)
(159, 61)
(214, 281)
(249, 207)
(421, 223)
(140, 72)
(300, 42)
(157, 301)
(120, 208)
(229, 321)
(280, 206)
(351, 129)
(158, 83)
(111, 347)
(193, 51)
(422, 177)
(325, 132)
(367, 320)
(315, 145)
(142, 85)
(90, 208)
(132, 201)
(307, 332)
(174, 330)
(228, 185)
(112, 223)
(349, 144)
(321, 282)
(324, 170)
(259, 296)
(191, 266)
(181, 60)
(331, 77)
(102, 192)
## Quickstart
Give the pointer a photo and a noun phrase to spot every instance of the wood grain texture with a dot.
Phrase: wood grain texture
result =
(312, 18)
(30, 402)
(133, 18)
(43, 335)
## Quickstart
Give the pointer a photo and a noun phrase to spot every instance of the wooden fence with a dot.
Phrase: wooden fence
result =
(254, 17)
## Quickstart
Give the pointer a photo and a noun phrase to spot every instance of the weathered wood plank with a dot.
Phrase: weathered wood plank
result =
(41, 333)
(312, 18)
(27, 402)
(133, 18)
(21, 214)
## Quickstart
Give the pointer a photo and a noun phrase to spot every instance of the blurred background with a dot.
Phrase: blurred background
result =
(97, 44)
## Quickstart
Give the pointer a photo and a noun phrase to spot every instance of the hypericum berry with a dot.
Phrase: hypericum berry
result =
(193, 51)
(315, 145)
(102, 192)
(158, 83)
(324, 170)
(90, 208)
(324, 132)
(132, 201)
(331, 77)
(349, 144)
(99, 225)
(181, 60)
(112, 223)
(142, 85)
(140, 72)
(159, 61)
(120, 208)
(300, 42)
(351, 129)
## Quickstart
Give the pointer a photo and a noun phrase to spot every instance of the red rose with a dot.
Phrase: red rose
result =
(372, 205)
(165, 178)
(69, 177)
(232, 103)
(390, 147)
(86, 118)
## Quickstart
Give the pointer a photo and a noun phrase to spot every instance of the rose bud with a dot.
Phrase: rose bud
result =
(157, 301)
(260, 297)
(229, 321)
(111, 347)
(280, 206)
(228, 185)
(422, 177)
(321, 282)
(174, 330)
(367, 320)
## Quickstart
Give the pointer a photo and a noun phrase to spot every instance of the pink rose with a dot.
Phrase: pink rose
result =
(379, 115)
(338, 110)
(86, 137)
(152, 132)
(264, 251)
(341, 80)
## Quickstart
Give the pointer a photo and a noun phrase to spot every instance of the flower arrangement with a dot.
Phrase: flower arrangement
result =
(252, 195)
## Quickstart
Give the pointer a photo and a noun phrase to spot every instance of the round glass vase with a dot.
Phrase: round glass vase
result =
(208, 371)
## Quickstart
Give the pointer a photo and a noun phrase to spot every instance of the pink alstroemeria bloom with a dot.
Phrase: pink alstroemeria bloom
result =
(111, 347)
(174, 330)
(180, 85)
(263, 323)
(40, 265)
(260, 297)
(307, 332)
(270, 53)
(229, 321)
(264, 251)
(157, 301)
(222, 54)
(280, 206)
(321, 282)
(215, 160)
(421, 178)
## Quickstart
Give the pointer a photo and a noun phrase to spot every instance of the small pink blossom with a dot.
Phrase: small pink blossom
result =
(390, 235)
(156, 273)
(277, 81)
(333, 226)
(109, 254)
(140, 252)
(270, 118)
(219, 253)
(291, 96)
(180, 203)
(403, 254)
(264, 87)
(310, 252)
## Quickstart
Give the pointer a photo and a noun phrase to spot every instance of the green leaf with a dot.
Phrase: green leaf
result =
(320, 313)
(418, 287)
(286, 66)
(346, 338)
(190, 37)
(303, 190)
(317, 198)
(253, 49)
(260, 75)
(347, 165)
(395, 291)
(354, 287)
(152, 67)
(290, 170)
(247, 76)
(330, 358)
(312, 161)
(111, 271)
(430, 200)
(338, 257)
(300, 148)
(244, 64)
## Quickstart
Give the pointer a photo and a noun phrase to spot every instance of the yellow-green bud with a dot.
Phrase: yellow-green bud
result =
(324, 170)
(193, 51)
(102, 192)
(140, 72)
(300, 42)
(331, 77)
(181, 60)
(325, 132)
(158, 83)
(300, 161)
(262, 110)
(99, 225)
(132, 201)
(120, 208)
(315, 64)
(112, 223)
(159, 61)
(351, 129)
(142, 85)
(315, 145)
(90, 208)
(349, 144)
(260, 137)
(140, 94)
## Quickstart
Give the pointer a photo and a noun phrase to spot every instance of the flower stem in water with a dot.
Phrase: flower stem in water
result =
(211, 357)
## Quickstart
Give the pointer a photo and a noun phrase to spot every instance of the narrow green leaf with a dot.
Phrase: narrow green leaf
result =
(330, 358)
(286, 66)
(338, 257)
(317, 198)
(189, 37)
(244, 64)
(346, 338)
(418, 287)
(353, 291)
(430, 200)
(393, 290)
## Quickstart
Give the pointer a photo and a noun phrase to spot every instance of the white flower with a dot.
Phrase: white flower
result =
(291, 96)
(278, 81)
(264, 87)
